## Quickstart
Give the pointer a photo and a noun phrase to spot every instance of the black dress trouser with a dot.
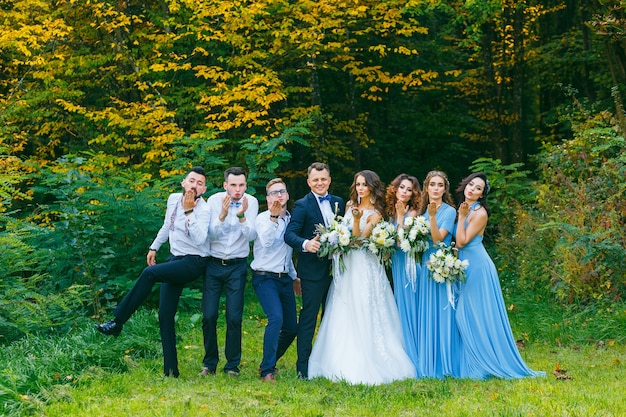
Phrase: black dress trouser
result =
(175, 273)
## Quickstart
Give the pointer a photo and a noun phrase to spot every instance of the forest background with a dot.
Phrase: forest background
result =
(104, 105)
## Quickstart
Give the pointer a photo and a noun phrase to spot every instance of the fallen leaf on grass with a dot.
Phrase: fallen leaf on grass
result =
(561, 375)
(559, 372)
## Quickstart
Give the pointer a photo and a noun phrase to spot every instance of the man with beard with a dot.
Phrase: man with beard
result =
(186, 227)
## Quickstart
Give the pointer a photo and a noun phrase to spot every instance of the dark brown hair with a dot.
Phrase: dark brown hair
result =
(318, 166)
(376, 187)
(460, 190)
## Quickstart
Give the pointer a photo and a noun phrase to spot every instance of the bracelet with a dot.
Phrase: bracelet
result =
(150, 249)
(188, 211)
(241, 216)
(274, 217)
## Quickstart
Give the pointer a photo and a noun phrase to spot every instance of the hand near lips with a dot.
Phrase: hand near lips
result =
(226, 205)
(276, 208)
(432, 209)
(463, 209)
(189, 200)
(244, 206)
(401, 208)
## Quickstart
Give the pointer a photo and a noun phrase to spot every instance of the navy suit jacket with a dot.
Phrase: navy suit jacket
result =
(305, 216)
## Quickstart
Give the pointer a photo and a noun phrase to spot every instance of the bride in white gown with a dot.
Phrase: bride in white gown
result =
(360, 338)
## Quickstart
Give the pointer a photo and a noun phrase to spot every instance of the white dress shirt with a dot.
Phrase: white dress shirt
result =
(271, 253)
(327, 212)
(231, 238)
(187, 234)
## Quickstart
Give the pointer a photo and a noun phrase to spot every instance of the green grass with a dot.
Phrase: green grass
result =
(596, 389)
(86, 374)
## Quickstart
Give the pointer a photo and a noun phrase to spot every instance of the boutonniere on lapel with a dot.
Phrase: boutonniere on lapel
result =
(336, 208)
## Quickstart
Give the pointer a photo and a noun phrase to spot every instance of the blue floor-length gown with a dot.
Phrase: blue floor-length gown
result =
(405, 294)
(488, 346)
(438, 342)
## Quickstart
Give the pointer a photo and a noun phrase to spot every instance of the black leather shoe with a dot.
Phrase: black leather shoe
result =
(110, 328)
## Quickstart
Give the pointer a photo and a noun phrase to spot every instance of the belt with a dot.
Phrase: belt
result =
(225, 262)
(271, 274)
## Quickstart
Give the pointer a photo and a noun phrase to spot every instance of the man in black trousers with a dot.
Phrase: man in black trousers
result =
(186, 227)
(317, 207)
(233, 215)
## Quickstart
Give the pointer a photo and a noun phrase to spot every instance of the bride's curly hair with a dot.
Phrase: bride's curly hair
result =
(447, 197)
(392, 189)
(376, 187)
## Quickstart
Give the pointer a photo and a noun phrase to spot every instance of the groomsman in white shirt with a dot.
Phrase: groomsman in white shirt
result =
(233, 215)
(185, 227)
(274, 278)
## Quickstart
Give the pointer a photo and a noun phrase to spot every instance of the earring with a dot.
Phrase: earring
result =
(372, 199)
(358, 200)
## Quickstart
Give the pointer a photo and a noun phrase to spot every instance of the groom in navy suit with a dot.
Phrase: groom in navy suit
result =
(317, 207)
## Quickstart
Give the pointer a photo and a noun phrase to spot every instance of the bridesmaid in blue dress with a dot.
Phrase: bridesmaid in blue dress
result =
(438, 339)
(403, 200)
(488, 347)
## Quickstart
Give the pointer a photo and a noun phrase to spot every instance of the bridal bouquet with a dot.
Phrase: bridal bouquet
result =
(382, 240)
(336, 240)
(413, 237)
(445, 266)
(413, 240)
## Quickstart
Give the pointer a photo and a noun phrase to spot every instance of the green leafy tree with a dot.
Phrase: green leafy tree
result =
(571, 240)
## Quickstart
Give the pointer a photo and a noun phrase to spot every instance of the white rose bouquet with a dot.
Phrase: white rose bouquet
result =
(413, 237)
(336, 240)
(413, 240)
(382, 240)
(445, 266)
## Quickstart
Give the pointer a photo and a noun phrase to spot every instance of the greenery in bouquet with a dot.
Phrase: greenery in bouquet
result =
(382, 241)
(445, 266)
(336, 240)
(413, 237)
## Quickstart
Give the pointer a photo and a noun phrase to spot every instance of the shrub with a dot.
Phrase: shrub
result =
(573, 237)
(99, 226)
(25, 307)
(510, 188)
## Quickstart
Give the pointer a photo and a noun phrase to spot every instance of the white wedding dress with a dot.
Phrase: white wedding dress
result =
(360, 338)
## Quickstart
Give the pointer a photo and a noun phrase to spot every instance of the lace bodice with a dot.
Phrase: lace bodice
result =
(366, 214)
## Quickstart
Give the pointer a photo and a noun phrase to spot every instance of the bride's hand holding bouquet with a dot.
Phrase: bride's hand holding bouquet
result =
(381, 241)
